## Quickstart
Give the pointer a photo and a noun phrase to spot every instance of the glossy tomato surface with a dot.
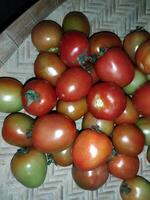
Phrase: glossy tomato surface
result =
(73, 84)
(106, 100)
(91, 149)
(115, 66)
(90, 179)
(53, 132)
(17, 128)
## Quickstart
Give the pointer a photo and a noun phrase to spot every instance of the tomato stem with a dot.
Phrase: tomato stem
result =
(125, 188)
(23, 150)
(32, 96)
(49, 158)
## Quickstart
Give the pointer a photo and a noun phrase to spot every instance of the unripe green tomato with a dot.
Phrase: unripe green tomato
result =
(29, 167)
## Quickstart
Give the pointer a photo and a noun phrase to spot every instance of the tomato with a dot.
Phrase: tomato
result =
(142, 57)
(123, 166)
(73, 109)
(133, 40)
(38, 97)
(10, 95)
(115, 66)
(29, 167)
(148, 154)
(144, 124)
(64, 157)
(105, 126)
(74, 48)
(128, 139)
(106, 100)
(16, 129)
(46, 35)
(136, 188)
(48, 66)
(129, 115)
(141, 99)
(91, 149)
(103, 39)
(73, 84)
(90, 179)
(53, 132)
(76, 20)
(138, 80)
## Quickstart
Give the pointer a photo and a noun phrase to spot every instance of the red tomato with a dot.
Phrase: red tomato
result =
(128, 139)
(73, 84)
(90, 179)
(103, 39)
(106, 100)
(53, 132)
(91, 149)
(115, 66)
(123, 166)
(141, 99)
(38, 97)
(74, 48)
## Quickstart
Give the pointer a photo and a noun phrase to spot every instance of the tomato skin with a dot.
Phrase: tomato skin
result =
(103, 39)
(76, 20)
(41, 94)
(16, 129)
(73, 44)
(73, 109)
(136, 188)
(141, 99)
(90, 179)
(129, 115)
(49, 136)
(48, 66)
(10, 95)
(128, 139)
(123, 166)
(115, 66)
(133, 40)
(73, 84)
(26, 166)
(106, 100)
(46, 35)
(91, 149)
(142, 57)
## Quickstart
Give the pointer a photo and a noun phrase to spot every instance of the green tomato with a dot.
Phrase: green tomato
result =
(138, 80)
(144, 124)
(29, 167)
(137, 188)
(10, 95)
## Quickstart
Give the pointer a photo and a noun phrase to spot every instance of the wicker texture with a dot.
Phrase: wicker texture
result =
(119, 16)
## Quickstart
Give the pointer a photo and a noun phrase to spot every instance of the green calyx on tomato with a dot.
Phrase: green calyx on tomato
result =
(125, 188)
(31, 97)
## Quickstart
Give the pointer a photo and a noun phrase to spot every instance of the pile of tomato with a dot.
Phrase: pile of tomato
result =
(98, 79)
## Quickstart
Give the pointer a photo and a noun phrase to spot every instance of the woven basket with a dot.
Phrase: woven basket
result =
(119, 16)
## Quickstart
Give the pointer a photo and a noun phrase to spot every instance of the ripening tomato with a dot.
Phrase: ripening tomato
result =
(38, 97)
(53, 132)
(106, 100)
(76, 20)
(91, 149)
(17, 128)
(74, 48)
(128, 139)
(142, 57)
(48, 66)
(141, 99)
(133, 40)
(137, 188)
(123, 166)
(46, 35)
(29, 167)
(10, 95)
(115, 66)
(129, 115)
(73, 84)
(90, 179)
(103, 40)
